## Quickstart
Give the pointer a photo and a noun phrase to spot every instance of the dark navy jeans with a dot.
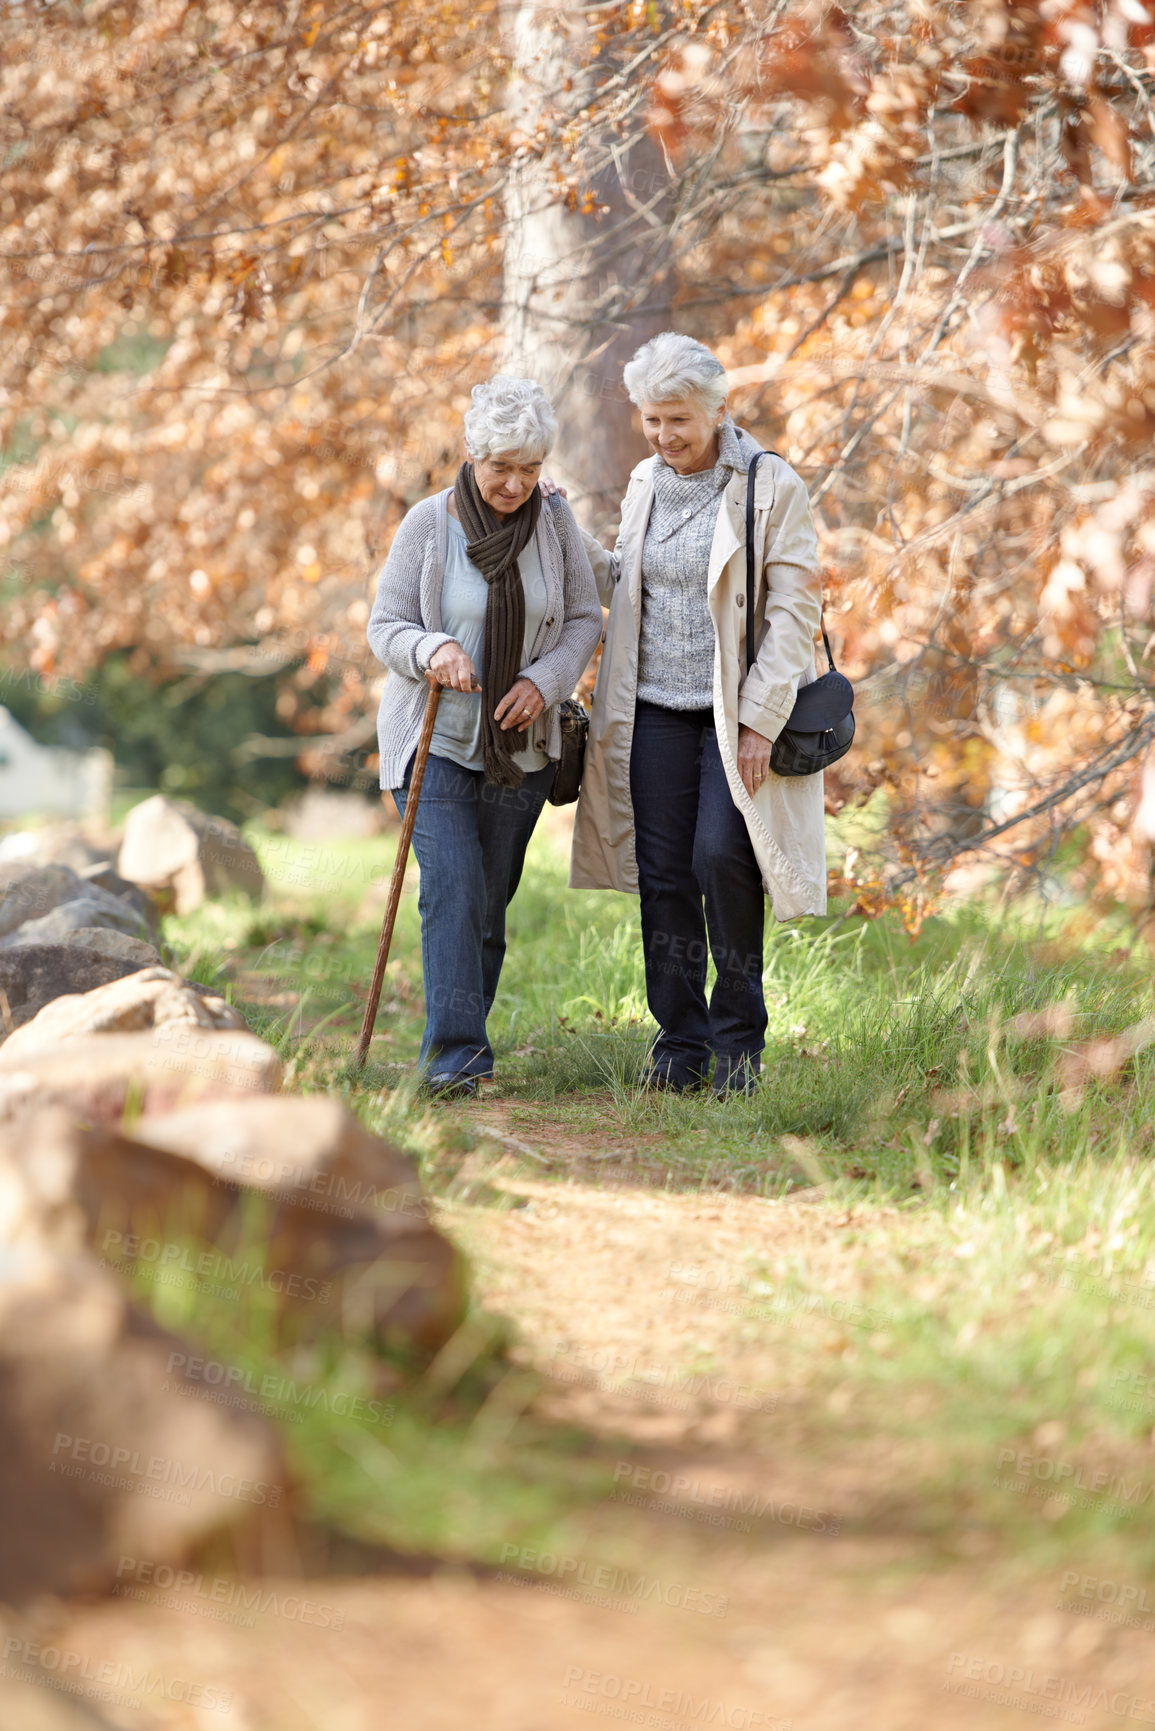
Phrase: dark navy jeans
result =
(700, 885)
(470, 839)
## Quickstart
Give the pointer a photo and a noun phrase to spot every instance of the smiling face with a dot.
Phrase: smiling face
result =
(506, 481)
(683, 433)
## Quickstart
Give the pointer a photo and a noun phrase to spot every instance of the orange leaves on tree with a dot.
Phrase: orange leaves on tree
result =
(664, 116)
(1030, 301)
(1111, 133)
(812, 59)
(947, 435)
(995, 92)
(174, 266)
(1075, 137)
(1016, 48)
(252, 294)
(682, 95)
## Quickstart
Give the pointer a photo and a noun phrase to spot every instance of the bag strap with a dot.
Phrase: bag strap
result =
(750, 474)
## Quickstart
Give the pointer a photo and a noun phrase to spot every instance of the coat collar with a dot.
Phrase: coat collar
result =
(730, 529)
(731, 451)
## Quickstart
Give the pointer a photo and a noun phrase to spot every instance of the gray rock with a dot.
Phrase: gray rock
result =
(29, 891)
(41, 903)
(182, 855)
(346, 1209)
(33, 975)
(105, 877)
(92, 907)
(146, 1037)
(103, 942)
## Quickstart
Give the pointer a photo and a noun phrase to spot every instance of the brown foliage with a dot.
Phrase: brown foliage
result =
(252, 265)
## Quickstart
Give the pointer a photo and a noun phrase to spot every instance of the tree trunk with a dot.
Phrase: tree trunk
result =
(582, 291)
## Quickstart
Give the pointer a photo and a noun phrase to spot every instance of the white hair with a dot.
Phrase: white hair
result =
(509, 418)
(671, 366)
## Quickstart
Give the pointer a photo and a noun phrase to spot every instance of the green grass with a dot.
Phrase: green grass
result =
(1015, 1315)
(892, 1060)
(1004, 1294)
(426, 1455)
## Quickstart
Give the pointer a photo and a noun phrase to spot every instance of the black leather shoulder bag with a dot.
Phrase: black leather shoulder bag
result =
(820, 728)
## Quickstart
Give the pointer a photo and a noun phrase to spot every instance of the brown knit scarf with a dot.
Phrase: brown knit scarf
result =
(493, 542)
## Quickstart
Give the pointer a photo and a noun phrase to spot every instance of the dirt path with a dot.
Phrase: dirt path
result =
(757, 1565)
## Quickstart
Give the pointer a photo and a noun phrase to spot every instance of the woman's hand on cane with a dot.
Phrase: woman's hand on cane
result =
(452, 668)
(522, 703)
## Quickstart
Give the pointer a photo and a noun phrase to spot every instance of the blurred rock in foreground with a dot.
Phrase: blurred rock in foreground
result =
(287, 1197)
(345, 1207)
(149, 1037)
(41, 1703)
(105, 1449)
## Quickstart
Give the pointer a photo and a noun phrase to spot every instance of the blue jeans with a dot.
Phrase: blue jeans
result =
(699, 881)
(470, 839)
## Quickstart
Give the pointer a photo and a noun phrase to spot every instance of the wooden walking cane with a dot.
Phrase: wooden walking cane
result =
(415, 780)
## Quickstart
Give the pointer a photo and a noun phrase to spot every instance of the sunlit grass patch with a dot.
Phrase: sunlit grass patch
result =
(425, 1453)
(1006, 1333)
(979, 1104)
(895, 1064)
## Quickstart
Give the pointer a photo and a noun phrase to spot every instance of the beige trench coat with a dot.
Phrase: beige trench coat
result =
(785, 817)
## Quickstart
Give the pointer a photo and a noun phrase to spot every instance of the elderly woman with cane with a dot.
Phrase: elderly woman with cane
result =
(491, 596)
(678, 800)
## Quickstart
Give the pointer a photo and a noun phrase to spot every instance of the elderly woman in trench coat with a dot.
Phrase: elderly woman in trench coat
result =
(678, 800)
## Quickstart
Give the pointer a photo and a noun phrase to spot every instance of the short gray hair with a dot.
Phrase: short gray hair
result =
(671, 366)
(510, 418)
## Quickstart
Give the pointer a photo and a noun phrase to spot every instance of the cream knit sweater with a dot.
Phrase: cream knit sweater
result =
(676, 645)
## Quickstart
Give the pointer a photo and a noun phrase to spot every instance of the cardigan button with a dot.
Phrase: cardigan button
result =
(739, 601)
(549, 621)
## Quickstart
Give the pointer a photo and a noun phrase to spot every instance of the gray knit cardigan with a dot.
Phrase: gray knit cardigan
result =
(404, 628)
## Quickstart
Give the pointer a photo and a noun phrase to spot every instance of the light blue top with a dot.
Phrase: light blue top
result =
(464, 593)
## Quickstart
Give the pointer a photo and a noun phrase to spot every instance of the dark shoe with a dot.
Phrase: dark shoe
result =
(674, 1081)
(734, 1076)
(450, 1087)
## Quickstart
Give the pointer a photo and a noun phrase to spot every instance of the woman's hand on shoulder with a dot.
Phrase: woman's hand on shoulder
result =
(753, 758)
(550, 487)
